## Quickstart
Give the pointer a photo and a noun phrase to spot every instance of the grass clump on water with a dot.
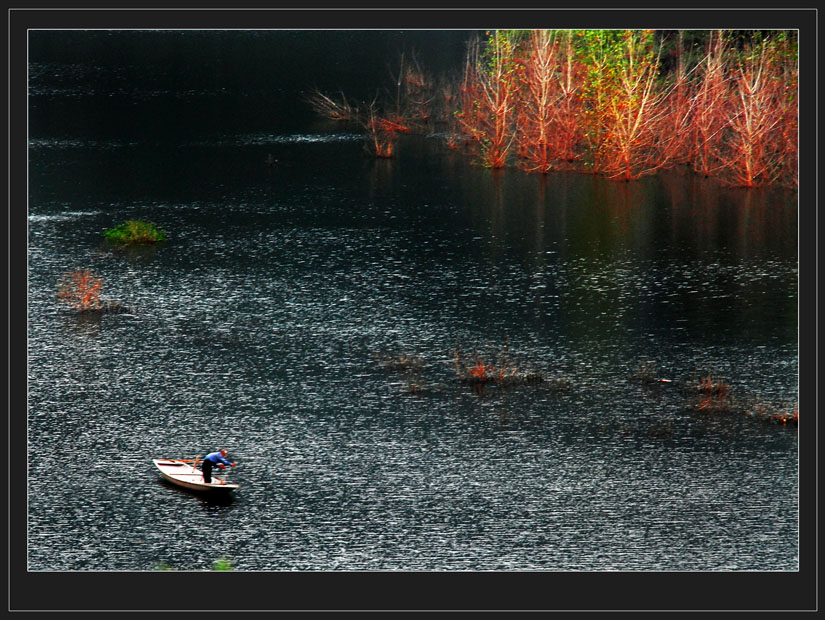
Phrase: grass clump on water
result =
(135, 231)
(222, 564)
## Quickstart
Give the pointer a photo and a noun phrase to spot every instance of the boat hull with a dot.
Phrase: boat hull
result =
(183, 474)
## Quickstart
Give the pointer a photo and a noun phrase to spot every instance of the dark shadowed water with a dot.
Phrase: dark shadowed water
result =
(273, 320)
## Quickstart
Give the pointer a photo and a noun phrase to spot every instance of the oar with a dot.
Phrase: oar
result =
(195, 464)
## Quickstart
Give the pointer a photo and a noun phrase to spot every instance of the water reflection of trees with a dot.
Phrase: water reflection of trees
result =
(706, 217)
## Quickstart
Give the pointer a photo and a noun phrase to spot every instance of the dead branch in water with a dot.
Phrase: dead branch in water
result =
(333, 109)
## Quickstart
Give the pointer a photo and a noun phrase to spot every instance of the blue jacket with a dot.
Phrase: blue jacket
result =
(216, 457)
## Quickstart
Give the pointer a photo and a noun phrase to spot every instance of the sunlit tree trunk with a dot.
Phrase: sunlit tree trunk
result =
(489, 98)
(751, 153)
(548, 122)
(381, 133)
(567, 126)
(788, 62)
(790, 133)
(540, 99)
(709, 109)
(674, 137)
(632, 110)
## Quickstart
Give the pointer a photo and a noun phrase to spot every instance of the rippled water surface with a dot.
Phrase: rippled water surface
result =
(277, 318)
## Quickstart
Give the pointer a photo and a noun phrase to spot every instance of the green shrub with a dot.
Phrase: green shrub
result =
(135, 231)
(222, 564)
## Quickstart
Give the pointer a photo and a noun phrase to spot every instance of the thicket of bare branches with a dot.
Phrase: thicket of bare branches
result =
(622, 103)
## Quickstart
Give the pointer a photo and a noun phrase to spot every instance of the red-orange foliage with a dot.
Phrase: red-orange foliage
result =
(488, 98)
(709, 105)
(538, 101)
(602, 98)
(603, 101)
(382, 132)
(480, 371)
(776, 415)
(675, 135)
(789, 139)
(784, 417)
(81, 290)
(567, 129)
(753, 150)
(548, 129)
(501, 371)
(713, 395)
(709, 387)
(633, 113)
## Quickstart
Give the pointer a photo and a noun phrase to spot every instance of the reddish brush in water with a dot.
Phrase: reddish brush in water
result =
(81, 290)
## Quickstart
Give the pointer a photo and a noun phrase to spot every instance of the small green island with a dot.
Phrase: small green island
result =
(135, 231)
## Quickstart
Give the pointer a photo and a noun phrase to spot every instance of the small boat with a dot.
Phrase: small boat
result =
(183, 472)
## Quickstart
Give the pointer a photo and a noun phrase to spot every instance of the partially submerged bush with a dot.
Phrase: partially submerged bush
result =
(499, 371)
(776, 415)
(81, 290)
(222, 564)
(135, 231)
(710, 395)
(714, 396)
(708, 388)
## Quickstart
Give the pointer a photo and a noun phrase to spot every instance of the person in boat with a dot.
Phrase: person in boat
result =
(210, 460)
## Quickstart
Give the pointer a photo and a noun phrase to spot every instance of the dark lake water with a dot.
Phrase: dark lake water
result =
(269, 320)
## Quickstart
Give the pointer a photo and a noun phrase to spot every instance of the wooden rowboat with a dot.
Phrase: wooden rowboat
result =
(182, 472)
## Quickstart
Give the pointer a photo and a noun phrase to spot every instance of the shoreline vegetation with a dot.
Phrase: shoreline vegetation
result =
(619, 103)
